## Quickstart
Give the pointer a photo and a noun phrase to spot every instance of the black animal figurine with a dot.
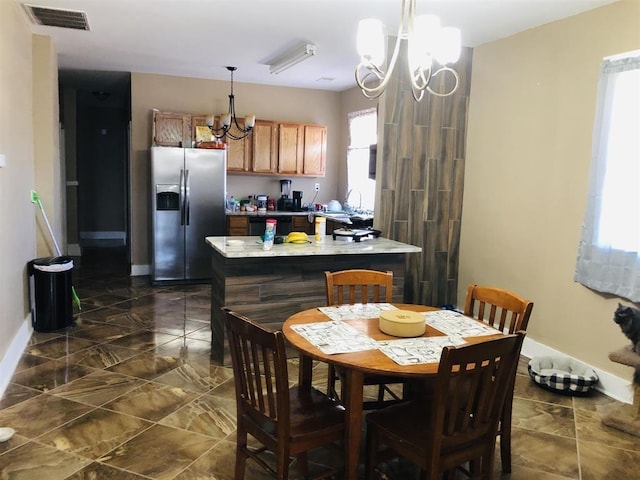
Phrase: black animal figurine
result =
(629, 320)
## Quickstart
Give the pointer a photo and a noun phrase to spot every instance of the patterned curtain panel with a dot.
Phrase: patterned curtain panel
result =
(608, 258)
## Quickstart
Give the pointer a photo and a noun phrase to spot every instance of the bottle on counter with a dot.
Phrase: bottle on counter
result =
(321, 229)
(269, 234)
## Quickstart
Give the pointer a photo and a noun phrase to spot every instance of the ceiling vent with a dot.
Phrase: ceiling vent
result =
(55, 17)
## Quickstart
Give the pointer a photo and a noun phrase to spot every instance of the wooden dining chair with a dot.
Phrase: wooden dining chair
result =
(458, 422)
(362, 286)
(509, 313)
(285, 421)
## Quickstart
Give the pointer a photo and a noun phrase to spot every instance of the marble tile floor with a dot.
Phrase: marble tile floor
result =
(129, 392)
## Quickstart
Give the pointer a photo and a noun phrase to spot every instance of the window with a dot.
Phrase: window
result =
(363, 130)
(608, 254)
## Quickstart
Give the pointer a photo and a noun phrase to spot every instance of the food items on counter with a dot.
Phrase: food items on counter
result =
(320, 229)
(297, 237)
(269, 233)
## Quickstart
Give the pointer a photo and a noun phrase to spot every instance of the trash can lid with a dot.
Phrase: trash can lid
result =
(53, 264)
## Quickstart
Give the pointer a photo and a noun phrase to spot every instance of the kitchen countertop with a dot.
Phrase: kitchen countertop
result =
(251, 247)
(341, 217)
(273, 213)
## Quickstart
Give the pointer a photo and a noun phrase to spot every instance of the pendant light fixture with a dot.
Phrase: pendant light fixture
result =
(430, 48)
(228, 120)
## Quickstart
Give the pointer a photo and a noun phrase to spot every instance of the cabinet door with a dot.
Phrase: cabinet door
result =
(290, 148)
(315, 149)
(301, 224)
(238, 151)
(171, 129)
(265, 147)
(237, 226)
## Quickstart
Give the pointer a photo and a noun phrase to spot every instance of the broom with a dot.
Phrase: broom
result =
(35, 198)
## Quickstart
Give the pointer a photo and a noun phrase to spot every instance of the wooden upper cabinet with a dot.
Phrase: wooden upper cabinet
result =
(302, 149)
(171, 129)
(315, 150)
(238, 151)
(264, 147)
(290, 148)
(272, 148)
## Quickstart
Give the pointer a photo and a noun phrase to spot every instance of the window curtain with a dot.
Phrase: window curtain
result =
(608, 259)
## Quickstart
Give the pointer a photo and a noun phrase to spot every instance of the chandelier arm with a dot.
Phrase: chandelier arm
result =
(417, 98)
(420, 79)
(455, 86)
(225, 131)
(374, 92)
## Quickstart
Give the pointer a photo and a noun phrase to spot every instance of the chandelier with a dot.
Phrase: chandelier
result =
(228, 120)
(430, 48)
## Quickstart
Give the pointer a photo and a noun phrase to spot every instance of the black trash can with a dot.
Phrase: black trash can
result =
(50, 293)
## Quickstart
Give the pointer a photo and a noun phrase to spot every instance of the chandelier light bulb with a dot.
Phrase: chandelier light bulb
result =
(449, 45)
(370, 41)
(225, 119)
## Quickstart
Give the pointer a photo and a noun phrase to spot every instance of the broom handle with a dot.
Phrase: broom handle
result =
(46, 220)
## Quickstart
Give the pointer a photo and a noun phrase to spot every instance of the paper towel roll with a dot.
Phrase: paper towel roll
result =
(402, 323)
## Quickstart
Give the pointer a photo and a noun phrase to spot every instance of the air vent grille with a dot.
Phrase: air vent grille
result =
(55, 17)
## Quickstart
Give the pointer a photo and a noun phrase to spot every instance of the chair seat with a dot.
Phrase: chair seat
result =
(402, 418)
(313, 414)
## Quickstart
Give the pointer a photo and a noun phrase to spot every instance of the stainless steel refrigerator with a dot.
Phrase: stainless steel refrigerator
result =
(188, 194)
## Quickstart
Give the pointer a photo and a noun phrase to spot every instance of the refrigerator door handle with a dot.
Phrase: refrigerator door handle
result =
(187, 206)
(183, 197)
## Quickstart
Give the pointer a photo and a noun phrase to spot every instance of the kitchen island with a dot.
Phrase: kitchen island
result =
(270, 285)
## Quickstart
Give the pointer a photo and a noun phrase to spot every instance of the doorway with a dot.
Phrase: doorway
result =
(95, 111)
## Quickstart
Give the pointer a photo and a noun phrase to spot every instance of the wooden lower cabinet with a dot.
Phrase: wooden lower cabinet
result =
(237, 226)
(301, 224)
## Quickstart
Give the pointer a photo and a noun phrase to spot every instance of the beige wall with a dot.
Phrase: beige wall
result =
(192, 95)
(17, 214)
(528, 154)
(50, 181)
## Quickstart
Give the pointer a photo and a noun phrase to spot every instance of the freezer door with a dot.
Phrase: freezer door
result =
(206, 176)
(167, 207)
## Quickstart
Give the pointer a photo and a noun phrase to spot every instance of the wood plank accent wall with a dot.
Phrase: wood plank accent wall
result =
(420, 179)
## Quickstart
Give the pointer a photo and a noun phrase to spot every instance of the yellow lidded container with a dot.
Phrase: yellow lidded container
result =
(402, 323)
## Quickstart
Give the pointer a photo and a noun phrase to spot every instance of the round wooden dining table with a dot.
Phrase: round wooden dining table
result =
(355, 365)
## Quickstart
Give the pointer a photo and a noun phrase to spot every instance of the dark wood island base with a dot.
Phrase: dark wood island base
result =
(270, 286)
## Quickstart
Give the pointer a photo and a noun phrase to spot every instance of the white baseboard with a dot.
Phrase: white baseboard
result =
(140, 270)
(609, 384)
(14, 353)
(74, 250)
(103, 235)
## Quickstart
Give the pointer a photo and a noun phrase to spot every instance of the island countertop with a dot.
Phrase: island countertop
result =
(251, 247)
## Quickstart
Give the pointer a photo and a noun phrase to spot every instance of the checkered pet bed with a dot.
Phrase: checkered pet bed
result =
(562, 374)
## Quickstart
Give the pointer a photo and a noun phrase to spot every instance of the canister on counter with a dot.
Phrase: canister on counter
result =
(269, 234)
(321, 229)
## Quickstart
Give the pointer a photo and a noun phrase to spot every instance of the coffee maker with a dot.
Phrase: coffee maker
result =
(285, 203)
(297, 201)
